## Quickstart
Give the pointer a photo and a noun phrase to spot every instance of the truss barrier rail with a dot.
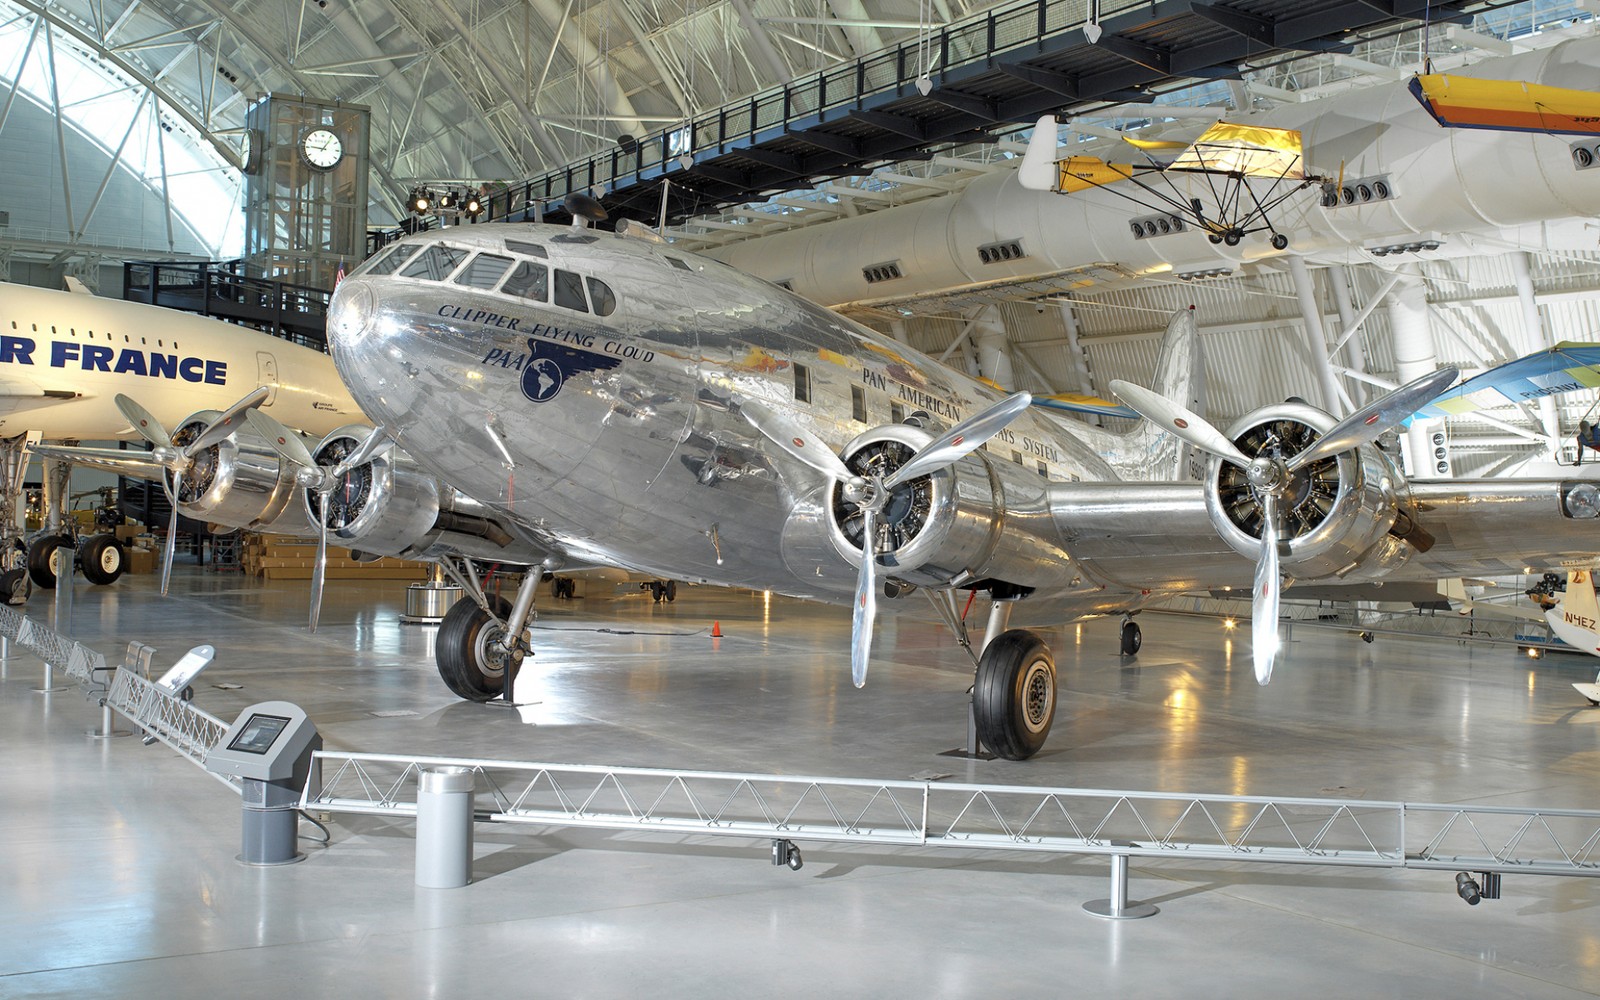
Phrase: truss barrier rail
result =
(924, 814)
(189, 730)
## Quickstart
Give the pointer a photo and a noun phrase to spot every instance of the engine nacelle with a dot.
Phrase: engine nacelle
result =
(389, 507)
(973, 521)
(239, 482)
(1344, 517)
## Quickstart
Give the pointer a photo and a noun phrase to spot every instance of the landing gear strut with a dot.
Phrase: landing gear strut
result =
(483, 640)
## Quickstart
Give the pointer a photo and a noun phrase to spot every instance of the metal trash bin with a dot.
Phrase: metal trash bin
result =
(444, 827)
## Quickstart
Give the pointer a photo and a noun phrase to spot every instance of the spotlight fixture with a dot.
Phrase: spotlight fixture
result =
(1412, 246)
(421, 201)
(472, 207)
(448, 199)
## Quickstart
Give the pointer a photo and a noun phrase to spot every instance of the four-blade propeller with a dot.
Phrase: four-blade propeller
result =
(179, 460)
(322, 480)
(1272, 478)
(871, 494)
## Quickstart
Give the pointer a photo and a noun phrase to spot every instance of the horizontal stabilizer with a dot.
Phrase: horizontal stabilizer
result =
(1507, 105)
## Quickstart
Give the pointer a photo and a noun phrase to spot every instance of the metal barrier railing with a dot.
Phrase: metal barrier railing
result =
(1340, 832)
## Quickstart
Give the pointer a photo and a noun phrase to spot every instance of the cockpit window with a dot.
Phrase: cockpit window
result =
(569, 291)
(605, 301)
(679, 264)
(387, 260)
(434, 263)
(484, 271)
(529, 281)
(527, 249)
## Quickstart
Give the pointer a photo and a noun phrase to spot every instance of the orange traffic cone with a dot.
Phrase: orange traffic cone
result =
(716, 630)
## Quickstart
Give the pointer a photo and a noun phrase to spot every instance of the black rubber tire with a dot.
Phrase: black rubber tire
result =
(15, 587)
(1132, 638)
(1231, 238)
(102, 560)
(672, 591)
(656, 591)
(1367, 637)
(456, 651)
(1014, 699)
(1280, 241)
(39, 552)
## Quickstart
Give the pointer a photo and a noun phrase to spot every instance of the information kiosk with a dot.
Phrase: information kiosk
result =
(269, 745)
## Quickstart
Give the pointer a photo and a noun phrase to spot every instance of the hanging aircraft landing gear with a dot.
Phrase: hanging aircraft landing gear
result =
(1014, 699)
(470, 654)
(1132, 638)
(1280, 241)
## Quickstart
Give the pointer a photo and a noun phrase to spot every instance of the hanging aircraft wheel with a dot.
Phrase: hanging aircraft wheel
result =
(102, 560)
(1132, 638)
(1214, 238)
(1280, 241)
(671, 591)
(14, 587)
(42, 559)
(1014, 699)
(467, 651)
(1231, 237)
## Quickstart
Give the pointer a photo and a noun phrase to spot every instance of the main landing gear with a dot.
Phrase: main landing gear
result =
(661, 590)
(483, 640)
(101, 557)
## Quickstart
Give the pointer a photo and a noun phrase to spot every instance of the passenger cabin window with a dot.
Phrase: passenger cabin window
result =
(387, 261)
(483, 271)
(1043, 470)
(527, 249)
(897, 413)
(1016, 457)
(605, 301)
(529, 281)
(569, 291)
(858, 404)
(802, 383)
(434, 263)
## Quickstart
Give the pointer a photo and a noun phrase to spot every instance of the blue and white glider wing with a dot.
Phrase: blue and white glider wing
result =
(1569, 366)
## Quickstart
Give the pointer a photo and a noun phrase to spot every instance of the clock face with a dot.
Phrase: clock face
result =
(321, 148)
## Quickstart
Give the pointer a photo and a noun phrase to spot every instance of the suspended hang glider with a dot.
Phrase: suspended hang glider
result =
(1244, 171)
(1508, 105)
(1570, 366)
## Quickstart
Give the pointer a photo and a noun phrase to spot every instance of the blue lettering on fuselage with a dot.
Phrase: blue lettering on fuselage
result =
(126, 361)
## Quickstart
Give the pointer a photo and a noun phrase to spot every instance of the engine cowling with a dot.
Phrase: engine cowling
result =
(238, 482)
(1344, 516)
(389, 507)
(972, 522)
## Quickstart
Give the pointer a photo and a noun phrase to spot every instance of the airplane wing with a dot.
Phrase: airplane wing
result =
(133, 464)
(1245, 150)
(1567, 367)
(1507, 105)
(1075, 402)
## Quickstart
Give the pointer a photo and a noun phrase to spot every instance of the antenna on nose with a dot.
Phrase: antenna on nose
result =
(585, 208)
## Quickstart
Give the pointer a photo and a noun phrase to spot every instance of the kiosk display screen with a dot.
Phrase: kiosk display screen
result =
(259, 733)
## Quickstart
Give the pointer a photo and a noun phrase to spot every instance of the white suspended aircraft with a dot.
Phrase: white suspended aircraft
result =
(614, 400)
(1573, 617)
(66, 356)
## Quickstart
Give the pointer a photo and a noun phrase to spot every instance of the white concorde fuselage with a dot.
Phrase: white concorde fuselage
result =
(64, 356)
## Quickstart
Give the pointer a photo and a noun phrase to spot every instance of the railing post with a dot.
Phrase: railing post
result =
(1117, 907)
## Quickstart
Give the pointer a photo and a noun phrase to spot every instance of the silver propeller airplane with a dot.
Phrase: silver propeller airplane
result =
(617, 401)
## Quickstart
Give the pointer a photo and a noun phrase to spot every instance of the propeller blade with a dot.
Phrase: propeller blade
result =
(786, 435)
(376, 444)
(320, 572)
(173, 494)
(866, 611)
(961, 440)
(226, 423)
(1364, 425)
(281, 439)
(1188, 425)
(1264, 603)
(147, 426)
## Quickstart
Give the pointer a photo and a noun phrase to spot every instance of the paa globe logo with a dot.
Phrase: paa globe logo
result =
(550, 365)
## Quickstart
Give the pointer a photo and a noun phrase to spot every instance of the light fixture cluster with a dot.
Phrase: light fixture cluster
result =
(1417, 246)
(423, 201)
(1585, 155)
(1209, 272)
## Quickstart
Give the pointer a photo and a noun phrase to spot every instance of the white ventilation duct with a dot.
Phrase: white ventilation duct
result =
(1471, 190)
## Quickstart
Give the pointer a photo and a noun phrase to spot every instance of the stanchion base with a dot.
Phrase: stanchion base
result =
(95, 734)
(1133, 911)
(269, 864)
(966, 754)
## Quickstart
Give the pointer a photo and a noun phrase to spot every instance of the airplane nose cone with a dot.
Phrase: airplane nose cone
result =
(351, 311)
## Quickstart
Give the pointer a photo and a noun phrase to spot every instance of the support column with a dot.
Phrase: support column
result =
(994, 348)
(1414, 357)
(1355, 354)
(1316, 338)
(1534, 338)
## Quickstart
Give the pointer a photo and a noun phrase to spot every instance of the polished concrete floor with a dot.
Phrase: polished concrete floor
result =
(118, 878)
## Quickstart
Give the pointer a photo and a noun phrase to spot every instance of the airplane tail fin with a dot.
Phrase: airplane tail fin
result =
(1038, 169)
(1180, 376)
(1580, 601)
